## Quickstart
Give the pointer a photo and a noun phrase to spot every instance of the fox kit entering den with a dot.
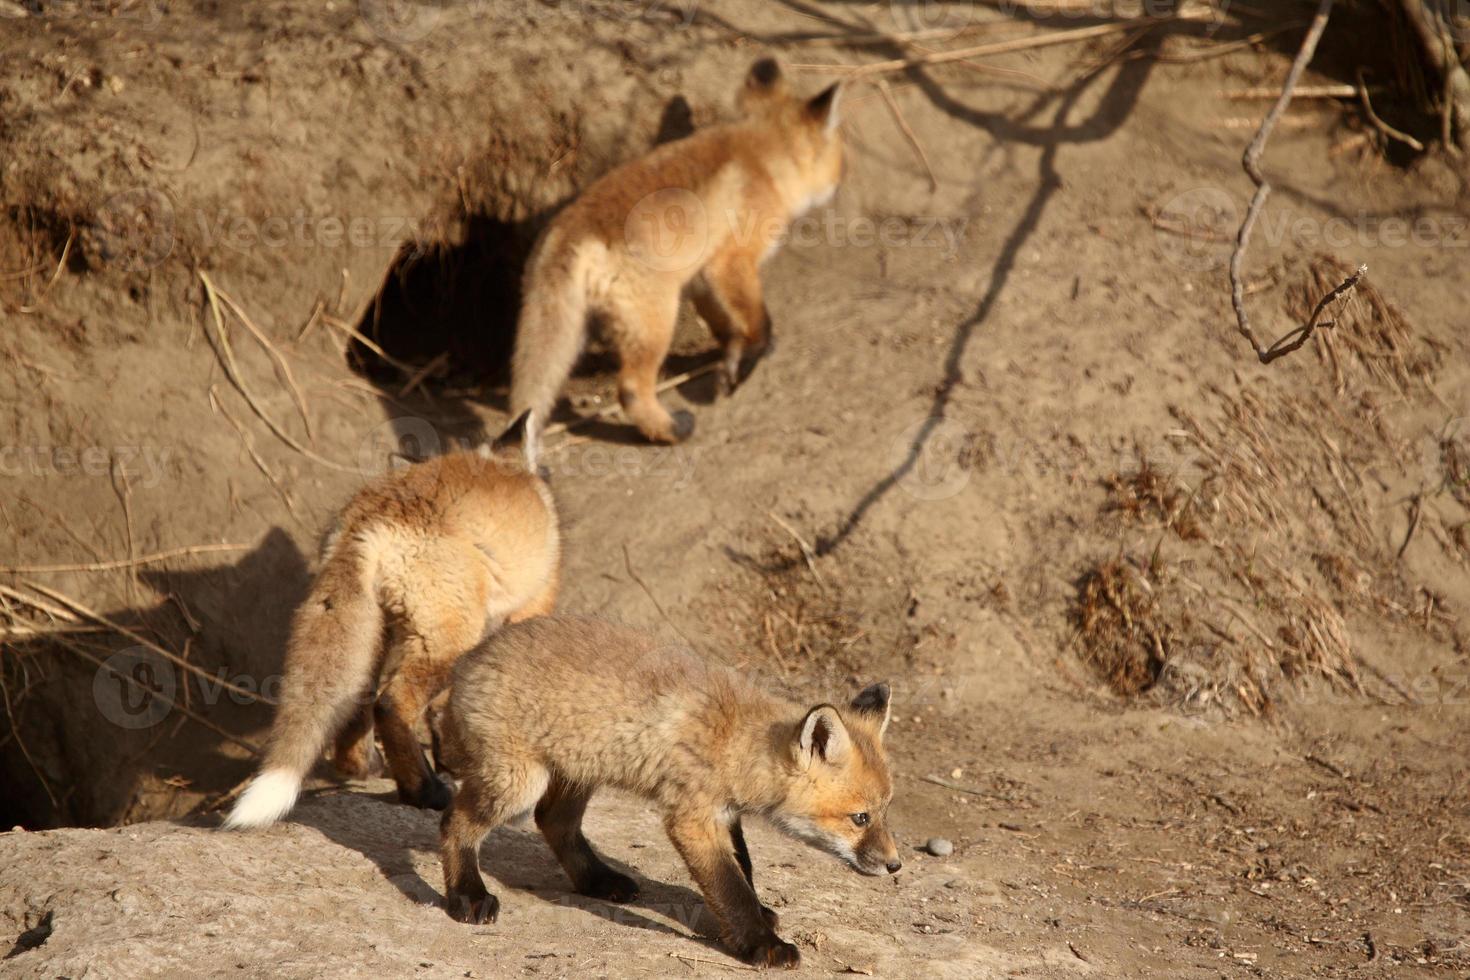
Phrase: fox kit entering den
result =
(543, 713)
(702, 212)
(419, 565)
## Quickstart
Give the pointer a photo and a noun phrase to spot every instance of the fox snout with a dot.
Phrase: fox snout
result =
(877, 853)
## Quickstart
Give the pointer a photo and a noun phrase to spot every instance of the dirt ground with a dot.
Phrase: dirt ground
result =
(1176, 639)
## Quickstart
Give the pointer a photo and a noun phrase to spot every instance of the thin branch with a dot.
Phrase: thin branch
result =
(1251, 161)
(628, 564)
(76, 607)
(245, 744)
(908, 132)
(106, 566)
(995, 47)
(232, 370)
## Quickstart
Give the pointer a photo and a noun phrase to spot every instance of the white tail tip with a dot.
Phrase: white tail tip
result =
(268, 798)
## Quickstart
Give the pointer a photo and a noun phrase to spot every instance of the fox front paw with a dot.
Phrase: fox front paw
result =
(610, 886)
(775, 953)
(473, 910)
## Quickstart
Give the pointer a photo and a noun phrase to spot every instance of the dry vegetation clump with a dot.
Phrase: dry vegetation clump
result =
(1370, 337)
(1124, 637)
(1268, 531)
(1147, 496)
(819, 625)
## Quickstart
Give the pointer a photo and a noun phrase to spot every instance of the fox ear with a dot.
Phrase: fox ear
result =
(522, 432)
(872, 701)
(764, 75)
(763, 84)
(822, 108)
(822, 736)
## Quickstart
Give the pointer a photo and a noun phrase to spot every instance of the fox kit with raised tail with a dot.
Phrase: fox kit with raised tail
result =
(419, 565)
(702, 212)
(543, 713)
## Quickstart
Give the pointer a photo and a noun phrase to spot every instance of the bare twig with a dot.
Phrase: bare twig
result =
(993, 48)
(337, 323)
(1438, 46)
(105, 566)
(248, 746)
(1252, 163)
(908, 132)
(1378, 123)
(249, 445)
(628, 564)
(232, 370)
(275, 355)
(418, 376)
(806, 550)
(686, 959)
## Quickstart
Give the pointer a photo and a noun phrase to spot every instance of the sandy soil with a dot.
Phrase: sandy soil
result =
(953, 424)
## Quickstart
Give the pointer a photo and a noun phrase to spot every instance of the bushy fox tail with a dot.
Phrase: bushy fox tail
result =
(552, 326)
(329, 671)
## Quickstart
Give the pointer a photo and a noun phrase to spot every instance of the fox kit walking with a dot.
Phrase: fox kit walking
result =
(543, 713)
(702, 212)
(419, 565)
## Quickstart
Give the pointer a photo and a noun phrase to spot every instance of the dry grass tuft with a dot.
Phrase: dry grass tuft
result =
(1147, 496)
(1372, 338)
(1124, 638)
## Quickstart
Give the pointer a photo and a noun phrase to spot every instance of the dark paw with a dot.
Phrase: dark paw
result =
(610, 886)
(772, 919)
(683, 426)
(773, 954)
(433, 794)
(471, 910)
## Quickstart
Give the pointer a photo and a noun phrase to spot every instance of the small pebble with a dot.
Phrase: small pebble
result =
(939, 847)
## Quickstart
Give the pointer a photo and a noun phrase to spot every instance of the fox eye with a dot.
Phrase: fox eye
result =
(860, 819)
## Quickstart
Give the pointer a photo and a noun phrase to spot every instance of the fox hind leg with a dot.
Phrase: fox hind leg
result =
(354, 753)
(729, 298)
(643, 331)
(559, 815)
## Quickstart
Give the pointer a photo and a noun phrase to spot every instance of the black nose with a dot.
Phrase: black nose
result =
(894, 866)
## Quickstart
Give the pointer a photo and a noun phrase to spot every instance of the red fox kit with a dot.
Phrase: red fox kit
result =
(543, 713)
(420, 563)
(703, 212)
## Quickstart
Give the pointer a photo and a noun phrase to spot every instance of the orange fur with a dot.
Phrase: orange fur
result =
(543, 713)
(420, 565)
(703, 212)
